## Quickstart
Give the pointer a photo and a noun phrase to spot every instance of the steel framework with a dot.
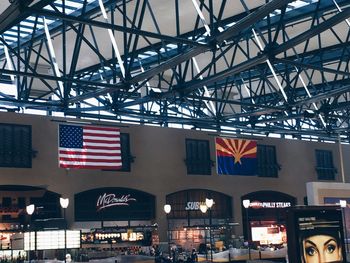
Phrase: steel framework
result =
(241, 66)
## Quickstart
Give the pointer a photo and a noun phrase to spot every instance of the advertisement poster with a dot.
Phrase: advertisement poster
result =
(315, 235)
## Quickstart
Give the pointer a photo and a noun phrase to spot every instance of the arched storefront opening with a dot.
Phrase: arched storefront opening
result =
(189, 227)
(122, 219)
(15, 198)
(264, 218)
(15, 222)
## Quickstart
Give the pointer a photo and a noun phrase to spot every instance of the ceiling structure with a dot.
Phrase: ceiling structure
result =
(241, 66)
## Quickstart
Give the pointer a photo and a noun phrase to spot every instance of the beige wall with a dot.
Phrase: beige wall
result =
(159, 166)
(317, 191)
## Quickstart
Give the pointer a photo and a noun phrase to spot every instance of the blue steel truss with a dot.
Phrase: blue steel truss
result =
(241, 66)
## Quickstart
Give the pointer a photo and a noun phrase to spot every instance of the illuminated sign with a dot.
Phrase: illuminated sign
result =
(51, 239)
(269, 235)
(113, 204)
(193, 205)
(258, 204)
(315, 234)
(108, 200)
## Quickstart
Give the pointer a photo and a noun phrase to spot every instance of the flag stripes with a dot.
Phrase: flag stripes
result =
(89, 147)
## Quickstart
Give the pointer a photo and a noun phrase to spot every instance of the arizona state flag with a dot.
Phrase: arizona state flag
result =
(236, 156)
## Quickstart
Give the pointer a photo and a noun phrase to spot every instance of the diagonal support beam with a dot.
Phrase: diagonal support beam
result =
(323, 96)
(310, 66)
(19, 11)
(13, 15)
(192, 85)
(329, 23)
(232, 32)
(75, 19)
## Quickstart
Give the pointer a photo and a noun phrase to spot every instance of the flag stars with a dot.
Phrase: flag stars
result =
(71, 136)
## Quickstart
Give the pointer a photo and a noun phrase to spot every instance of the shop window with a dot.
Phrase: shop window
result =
(6, 202)
(324, 165)
(47, 206)
(21, 202)
(15, 146)
(198, 157)
(6, 218)
(267, 161)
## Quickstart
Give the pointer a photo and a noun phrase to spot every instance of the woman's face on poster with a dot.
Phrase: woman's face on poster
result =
(321, 249)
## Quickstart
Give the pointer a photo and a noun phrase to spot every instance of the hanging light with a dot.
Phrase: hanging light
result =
(167, 208)
(246, 203)
(30, 209)
(342, 203)
(203, 208)
(64, 202)
(209, 202)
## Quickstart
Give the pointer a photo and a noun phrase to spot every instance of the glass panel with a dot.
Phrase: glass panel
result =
(324, 165)
(15, 146)
(198, 157)
(267, 161)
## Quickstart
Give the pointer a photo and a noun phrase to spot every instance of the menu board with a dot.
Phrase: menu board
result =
(51, 239)
(315, 234)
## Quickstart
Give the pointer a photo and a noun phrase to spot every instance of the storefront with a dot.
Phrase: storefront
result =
(189, 227)
(15, 198)
(264, 217)
(125, 217)
(15, 220)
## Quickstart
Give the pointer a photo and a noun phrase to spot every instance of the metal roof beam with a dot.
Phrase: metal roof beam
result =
(192, 85)
(19, 11)
(135, 31)
(14, 14)
(309, 66)
(241, 25)
(233, 31)
(329, 23)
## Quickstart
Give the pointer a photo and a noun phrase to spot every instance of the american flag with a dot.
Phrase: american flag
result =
(89, 147)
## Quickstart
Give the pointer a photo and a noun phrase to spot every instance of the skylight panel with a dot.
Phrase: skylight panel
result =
(294, 5)
(25, 29)
(151, 53)
(8, 89)
(33, 18)
(69, 4)
(50, 8)
(59, 7)
(74, 4)
(10, 38)
(14, 33)
(31, 24)
(172, 46)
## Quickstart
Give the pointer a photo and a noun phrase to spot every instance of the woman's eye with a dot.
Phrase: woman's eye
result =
(310, 251)
(330, 248)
